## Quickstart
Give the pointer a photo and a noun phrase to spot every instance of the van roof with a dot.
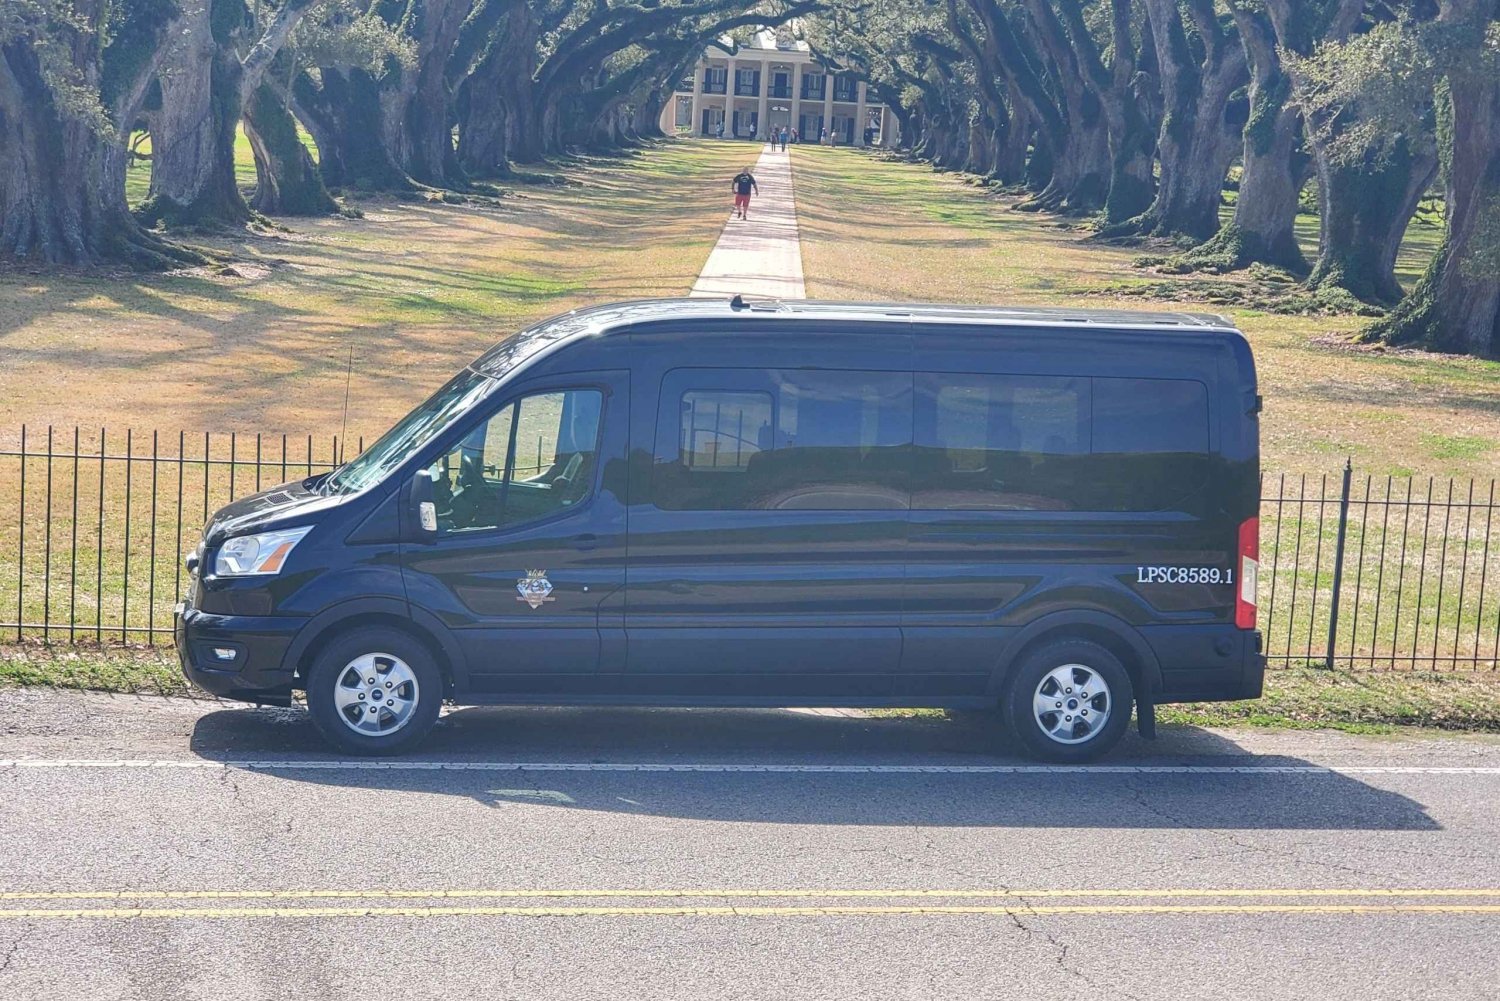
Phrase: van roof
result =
(600, 320)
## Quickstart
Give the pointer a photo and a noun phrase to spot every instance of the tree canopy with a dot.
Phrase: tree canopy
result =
(1141, 112)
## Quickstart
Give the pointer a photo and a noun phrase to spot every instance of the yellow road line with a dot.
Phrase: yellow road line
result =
(462, 894)
(134, 913)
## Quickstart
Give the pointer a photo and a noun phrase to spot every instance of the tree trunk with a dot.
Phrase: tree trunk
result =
(978, 155)
(343, 113)
(416, 116)
(288, 182)
(484, 127)
(528, 141)
(1365, 211)
(1039, 167)
(1010, 159)
(205, 88)
(1016, 147)
(1456, 305)
(1132, 142)
(1080, 172)
(646, 114)
(499, 120)
(1006, 54)
(1201, 125)
(62, 196)
(1265, 216)
(193, 132)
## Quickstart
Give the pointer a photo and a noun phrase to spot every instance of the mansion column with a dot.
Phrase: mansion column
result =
(828, 105)
(797, 98)
(764, 117)
(700, 76)
(729, 129)
(861, 116)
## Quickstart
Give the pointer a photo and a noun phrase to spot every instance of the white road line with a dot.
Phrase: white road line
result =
(360, 765)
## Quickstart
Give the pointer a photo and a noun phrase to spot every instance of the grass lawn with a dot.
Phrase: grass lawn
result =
(1309, 698)
(1294, 698)
(878, 229)
(135, 670)
(416, 289)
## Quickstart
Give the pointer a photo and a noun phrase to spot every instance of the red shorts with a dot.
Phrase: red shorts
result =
(742, 201)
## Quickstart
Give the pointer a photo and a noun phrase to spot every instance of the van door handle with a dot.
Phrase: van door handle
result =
(586, 541)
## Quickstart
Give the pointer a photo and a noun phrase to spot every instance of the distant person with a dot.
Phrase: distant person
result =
(822, 134)
(743, 184)
(720, 133)
(783, 140)
(796, 137)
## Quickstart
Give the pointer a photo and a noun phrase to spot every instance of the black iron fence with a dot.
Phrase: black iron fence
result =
(96, 523)
(1380, 572)
(1373, 573)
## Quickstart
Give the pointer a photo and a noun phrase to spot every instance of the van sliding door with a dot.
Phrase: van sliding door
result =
(768, 560)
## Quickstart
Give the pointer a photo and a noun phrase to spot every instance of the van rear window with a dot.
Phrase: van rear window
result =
(1150, 415)
(1053, 443)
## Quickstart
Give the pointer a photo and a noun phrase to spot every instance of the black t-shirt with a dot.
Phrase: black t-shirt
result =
(743, 183)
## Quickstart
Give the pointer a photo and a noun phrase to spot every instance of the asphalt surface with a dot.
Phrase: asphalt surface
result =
(179, 849)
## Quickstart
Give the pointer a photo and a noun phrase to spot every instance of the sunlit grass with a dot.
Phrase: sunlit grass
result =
(416, 289)
(1357, 703)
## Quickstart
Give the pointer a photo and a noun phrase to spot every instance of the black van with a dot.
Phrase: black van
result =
(696, 502)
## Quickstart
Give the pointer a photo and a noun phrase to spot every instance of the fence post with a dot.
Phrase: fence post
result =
(1338, 563)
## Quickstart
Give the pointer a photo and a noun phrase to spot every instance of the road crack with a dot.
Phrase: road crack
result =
(15, 947)
(227, 778)
(1062, 949)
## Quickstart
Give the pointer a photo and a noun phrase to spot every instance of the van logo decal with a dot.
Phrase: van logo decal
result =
(535, 589)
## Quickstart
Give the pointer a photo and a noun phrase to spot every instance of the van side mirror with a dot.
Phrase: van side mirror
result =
(421, 514)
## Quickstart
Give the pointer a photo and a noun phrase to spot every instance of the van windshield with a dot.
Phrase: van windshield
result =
(412, 432)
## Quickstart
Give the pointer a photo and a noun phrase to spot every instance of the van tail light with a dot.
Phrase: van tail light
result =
(1249, 561)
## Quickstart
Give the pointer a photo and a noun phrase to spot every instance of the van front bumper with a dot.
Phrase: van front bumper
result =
(237, 656)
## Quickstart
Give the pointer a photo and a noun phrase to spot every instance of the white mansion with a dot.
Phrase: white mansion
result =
(773, 83)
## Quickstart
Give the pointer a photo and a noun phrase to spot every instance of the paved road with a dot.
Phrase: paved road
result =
(165, 849)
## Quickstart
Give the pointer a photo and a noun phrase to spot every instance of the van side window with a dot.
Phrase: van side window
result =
(999, 442)
(748, 440)
(722, 431)
(530, 460)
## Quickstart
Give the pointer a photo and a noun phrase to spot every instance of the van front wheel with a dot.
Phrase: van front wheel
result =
(374, 691)
(1069, 701)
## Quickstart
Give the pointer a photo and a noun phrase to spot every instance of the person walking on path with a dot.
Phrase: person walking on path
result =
(783, 140)
(743, 184)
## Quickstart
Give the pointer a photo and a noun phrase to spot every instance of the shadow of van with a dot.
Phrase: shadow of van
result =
(589, 737)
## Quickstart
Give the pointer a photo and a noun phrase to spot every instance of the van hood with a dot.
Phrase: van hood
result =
(285, 506)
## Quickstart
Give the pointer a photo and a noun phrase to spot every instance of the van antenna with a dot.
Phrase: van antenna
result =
(344, 430)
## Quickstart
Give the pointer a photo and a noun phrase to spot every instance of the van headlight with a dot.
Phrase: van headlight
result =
(257, 555)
